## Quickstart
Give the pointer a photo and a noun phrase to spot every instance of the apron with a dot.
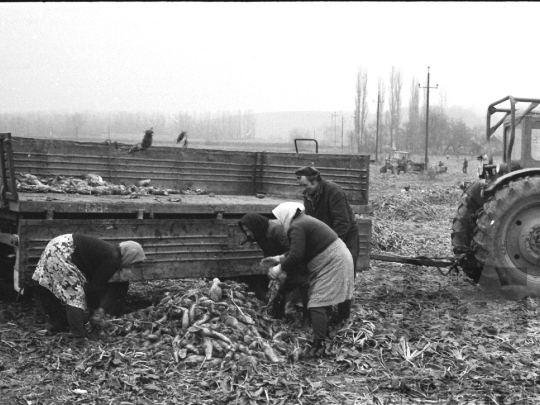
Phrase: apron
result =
(56, 272)
(331, 276)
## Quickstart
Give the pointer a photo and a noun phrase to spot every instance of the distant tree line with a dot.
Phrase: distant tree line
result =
(129, 126)
(446, 135)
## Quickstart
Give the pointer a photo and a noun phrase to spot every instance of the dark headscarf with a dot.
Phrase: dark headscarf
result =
(306, 171)
(256, 223)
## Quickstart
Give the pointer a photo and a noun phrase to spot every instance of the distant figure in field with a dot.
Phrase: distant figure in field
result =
(465, 165)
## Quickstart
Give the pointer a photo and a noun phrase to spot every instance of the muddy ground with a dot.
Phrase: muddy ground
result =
(417, 335)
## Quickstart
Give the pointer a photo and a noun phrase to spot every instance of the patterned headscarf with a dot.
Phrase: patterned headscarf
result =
(131, 252)
(285, 213)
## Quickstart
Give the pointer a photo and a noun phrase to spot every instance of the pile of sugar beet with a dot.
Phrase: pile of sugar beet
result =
(213, 324)
(90, 184)
(219, 324)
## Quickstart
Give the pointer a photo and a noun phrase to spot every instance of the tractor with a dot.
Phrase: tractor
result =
(399, 162)
(496, 232)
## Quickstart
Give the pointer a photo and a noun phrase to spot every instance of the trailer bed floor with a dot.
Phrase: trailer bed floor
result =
(171, 204)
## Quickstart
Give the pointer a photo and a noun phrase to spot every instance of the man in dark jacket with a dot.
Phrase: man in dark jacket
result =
(327, 202)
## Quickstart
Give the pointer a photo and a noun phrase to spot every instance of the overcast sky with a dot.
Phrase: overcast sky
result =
(259, 56)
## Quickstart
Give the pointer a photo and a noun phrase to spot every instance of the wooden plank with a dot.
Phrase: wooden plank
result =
(188, 204)
(419, 261)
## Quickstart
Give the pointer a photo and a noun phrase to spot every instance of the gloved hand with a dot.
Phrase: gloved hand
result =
(270, 261)
(98, 318)
(275, 273)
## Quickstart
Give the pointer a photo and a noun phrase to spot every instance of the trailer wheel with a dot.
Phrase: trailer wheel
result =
(508, 237)
(463, 227)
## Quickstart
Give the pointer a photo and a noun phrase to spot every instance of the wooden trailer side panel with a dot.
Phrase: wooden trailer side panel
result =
(220, 172)
(174, 248)
(275, 174)
(215, 171)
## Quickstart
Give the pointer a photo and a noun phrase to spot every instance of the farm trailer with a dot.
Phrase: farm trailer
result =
(184, 236)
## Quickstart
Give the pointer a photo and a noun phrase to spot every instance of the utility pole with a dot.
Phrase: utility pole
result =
(377, 132)
(427, 116)
(334, 116)
(353, 138)
(342, 132)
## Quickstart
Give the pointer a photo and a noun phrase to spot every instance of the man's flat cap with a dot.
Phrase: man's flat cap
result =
(306, 171)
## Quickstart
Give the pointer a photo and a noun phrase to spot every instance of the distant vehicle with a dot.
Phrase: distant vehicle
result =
(399, 161)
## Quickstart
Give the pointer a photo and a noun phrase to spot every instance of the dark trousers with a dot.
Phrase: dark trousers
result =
(320, 317)
(352, 241)
(319, 321)
(62, 317)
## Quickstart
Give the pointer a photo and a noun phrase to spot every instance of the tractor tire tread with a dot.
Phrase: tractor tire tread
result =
(485, 236)
(463, 227)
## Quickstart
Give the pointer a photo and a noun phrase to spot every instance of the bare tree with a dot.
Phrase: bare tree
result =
(381, 96)
(361, 110)
(396, 84)
(413, 126)
(443, 99)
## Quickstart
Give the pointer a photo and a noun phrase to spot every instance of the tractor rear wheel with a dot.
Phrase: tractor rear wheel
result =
(463, 227)
(508, 237)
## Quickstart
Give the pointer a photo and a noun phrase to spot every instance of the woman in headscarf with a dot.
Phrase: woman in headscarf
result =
(73, 268)
(271, 237)
(328, 261)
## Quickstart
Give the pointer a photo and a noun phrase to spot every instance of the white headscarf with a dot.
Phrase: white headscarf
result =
(285, 212)
(131, 253)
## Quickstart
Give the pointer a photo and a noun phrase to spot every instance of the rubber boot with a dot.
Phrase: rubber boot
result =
(318, 348)
(314, 350)
(319, 320)
(306, 318)
(343, 311)
(76, 318)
